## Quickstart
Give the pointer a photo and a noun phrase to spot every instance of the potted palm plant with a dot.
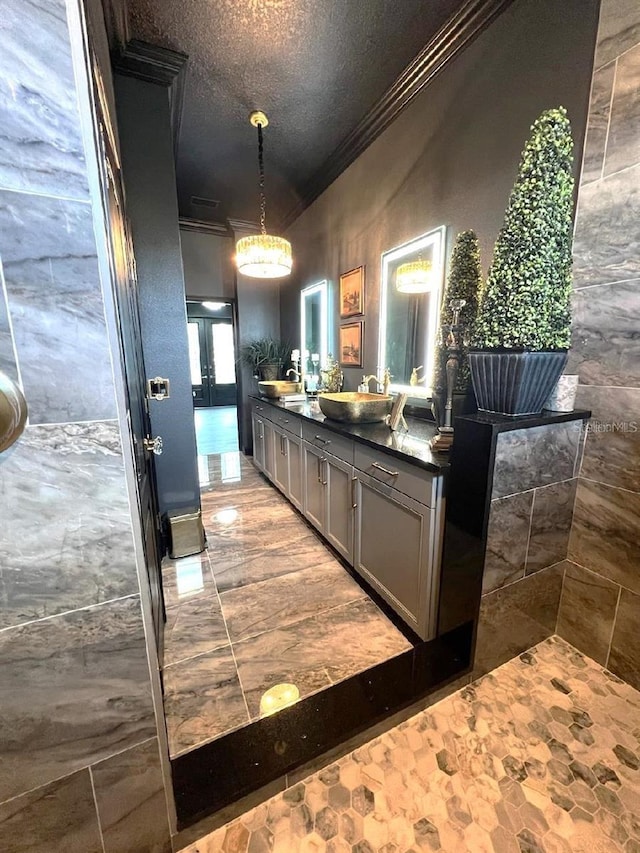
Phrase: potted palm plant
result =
(524, 322)
(266, 357)
(464, 283)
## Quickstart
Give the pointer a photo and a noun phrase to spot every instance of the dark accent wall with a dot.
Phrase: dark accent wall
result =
(600, 606)
(451, 157)
(207, 264)
(147, 162)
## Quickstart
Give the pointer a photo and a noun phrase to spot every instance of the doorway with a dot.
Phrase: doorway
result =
(212, 355)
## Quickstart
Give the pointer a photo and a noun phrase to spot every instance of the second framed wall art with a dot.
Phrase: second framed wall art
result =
(352, 293)
(351, 344)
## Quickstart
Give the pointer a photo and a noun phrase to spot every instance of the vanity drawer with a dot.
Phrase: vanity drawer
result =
(330, 442)
(409, 479)
(285, 420)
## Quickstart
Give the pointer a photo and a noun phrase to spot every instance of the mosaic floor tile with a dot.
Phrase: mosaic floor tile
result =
(539, 756)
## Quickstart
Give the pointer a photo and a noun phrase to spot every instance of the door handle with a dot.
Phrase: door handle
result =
(13, 412)
(326, 477)
(153, 445)
(284, 446)
(319, 461)
(354, 500)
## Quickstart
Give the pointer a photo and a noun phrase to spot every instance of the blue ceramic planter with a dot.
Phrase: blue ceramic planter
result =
(514, 383)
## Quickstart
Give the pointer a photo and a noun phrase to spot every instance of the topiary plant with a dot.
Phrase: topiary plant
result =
(464, 282)
(525, 302)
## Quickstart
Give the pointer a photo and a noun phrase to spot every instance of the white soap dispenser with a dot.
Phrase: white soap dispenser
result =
(363, 387)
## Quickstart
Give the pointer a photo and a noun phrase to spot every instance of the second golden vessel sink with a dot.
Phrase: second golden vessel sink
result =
(355, 407)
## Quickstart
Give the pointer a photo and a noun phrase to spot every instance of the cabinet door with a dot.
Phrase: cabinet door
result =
(392, 551)
(281, 462)
(338, 525)
(314, 495)
(294, 454)
(258, 440)
(269, 449)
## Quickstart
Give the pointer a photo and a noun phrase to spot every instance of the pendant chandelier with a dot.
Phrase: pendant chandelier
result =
(262, 255)
(414, 277)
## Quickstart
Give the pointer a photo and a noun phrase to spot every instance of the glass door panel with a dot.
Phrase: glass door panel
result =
(223, 379)
(198, 363)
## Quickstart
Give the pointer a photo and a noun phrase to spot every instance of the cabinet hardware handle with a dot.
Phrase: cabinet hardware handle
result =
(284, 446)
(321, 440)
(326, 479)
(384, 470)
(354, 502)
(318, 460)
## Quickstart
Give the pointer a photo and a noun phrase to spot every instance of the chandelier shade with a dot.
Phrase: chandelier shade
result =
(414, 277)
(263, 255)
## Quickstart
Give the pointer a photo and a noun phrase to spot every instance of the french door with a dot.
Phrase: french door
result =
(213, 361)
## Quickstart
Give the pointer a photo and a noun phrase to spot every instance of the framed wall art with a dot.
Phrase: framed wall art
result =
(352, 293)
(351, 344)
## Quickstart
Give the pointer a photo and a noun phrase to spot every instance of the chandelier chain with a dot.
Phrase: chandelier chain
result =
(263, 202)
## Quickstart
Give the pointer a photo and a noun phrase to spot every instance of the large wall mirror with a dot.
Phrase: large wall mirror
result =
(411, 291)
(314, 328)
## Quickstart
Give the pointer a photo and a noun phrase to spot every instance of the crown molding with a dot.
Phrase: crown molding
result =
(452, 38)
(243, 225)
(158, 65)
(220, 229)
(116, 19)
(149, 62)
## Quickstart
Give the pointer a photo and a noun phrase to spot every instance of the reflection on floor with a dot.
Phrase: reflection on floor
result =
(268, 604)
(216, 429)
(540, 756)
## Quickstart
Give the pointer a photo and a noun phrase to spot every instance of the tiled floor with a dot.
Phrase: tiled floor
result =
(268, 603)
(540, 756)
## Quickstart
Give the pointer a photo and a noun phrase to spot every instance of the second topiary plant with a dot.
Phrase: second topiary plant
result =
(464, 282)
(524, 323)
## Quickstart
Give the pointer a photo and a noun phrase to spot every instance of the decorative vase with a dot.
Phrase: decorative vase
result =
(269, 371)
(514, 383)
(563, 396)
(464, 403)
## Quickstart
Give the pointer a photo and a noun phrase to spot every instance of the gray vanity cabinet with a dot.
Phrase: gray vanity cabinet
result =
(394, 551)
(269, 442)
(257, 424)
(294, 455)
(338, 520)
(313, 485)
(328, 503)
(287, 473)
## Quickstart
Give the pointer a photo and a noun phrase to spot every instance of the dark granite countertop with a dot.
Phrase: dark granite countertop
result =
(505, 423)
(412, 446)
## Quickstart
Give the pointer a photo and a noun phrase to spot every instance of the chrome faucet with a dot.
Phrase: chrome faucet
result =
(296, 373)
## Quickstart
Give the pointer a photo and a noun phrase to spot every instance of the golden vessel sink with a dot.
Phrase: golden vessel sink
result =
(355, 407)
(278, 387)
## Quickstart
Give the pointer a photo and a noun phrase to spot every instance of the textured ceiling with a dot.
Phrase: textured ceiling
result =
(314, 66)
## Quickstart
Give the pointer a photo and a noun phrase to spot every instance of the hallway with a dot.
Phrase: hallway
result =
(267, 604)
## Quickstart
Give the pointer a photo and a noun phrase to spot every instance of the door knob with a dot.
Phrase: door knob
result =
(153, 445)
(13, 412)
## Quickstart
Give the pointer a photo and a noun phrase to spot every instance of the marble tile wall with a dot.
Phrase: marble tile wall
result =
(532, 504)
(600, 602)
(80, 756)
